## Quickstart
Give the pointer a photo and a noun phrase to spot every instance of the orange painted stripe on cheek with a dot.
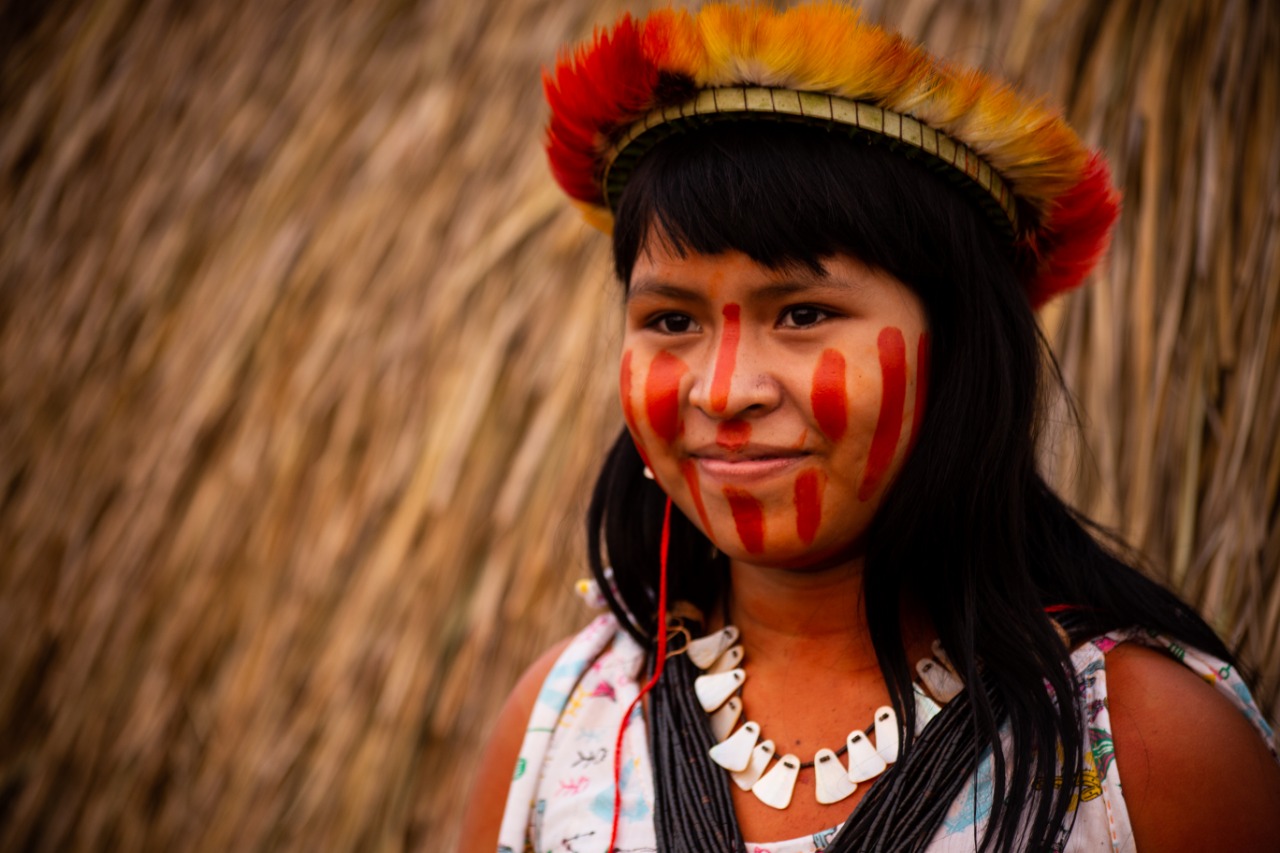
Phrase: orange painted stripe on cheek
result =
(689, 469)
(808, 505)
(726, 358)
(733, 435)
(748, 517)
(893, 374)
(662, 395)
(922, 383)
(829, 398)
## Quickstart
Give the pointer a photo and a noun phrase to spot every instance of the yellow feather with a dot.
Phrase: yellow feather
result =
(729, 37)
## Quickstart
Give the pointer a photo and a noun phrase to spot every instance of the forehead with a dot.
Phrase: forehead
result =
(663, 271)
(660, 263)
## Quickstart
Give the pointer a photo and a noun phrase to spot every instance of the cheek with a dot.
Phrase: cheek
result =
(624, 391)
(808, 505)
(828, 397)
(628, 406)
(893, 380)
(662, 395)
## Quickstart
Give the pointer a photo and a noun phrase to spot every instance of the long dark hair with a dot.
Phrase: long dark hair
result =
(969, 528)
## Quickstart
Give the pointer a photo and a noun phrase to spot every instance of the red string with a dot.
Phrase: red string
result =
(657, 672)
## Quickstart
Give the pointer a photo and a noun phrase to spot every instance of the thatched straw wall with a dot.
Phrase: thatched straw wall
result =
(304, 370)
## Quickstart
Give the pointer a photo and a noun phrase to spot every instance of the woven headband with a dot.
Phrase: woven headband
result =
(619, 94)
(746, 102)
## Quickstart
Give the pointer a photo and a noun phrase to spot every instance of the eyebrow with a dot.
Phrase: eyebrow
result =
(663, 289)
(782, 289)
(771, 290)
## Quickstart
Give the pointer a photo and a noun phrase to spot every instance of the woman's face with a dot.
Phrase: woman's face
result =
(775, 407)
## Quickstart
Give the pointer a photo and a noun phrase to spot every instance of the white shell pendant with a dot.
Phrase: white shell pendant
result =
(731, 659)
(713, 690)
(926, 708)
(887, 734)
(735, 753)
(760, 758)
(830, 778)
(864, 762)
(723, 721)
(938, 679)
(774, 788)
(704, 650)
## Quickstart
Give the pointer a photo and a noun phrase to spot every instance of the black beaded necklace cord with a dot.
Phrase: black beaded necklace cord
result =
(693, 810)
(901, 811)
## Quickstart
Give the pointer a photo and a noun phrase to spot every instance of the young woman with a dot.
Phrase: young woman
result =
(845, 609)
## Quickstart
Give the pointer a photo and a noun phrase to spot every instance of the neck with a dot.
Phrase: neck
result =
(814, 615)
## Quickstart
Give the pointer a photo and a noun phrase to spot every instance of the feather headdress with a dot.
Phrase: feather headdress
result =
(616, 95)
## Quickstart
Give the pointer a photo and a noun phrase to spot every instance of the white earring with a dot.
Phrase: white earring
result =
(648, 473)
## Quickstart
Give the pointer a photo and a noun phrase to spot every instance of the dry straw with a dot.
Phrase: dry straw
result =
(304, 372)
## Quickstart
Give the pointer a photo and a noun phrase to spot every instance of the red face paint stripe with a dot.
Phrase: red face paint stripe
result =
(662, 395)
(733, 435)
(922, 384)
(748, 517)
(893, 372)
(689, 469)
(829, 398)
(726, 358)
(808, 505)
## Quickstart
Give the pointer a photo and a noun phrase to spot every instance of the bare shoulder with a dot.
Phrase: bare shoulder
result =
(483, 815)
(1196, 774)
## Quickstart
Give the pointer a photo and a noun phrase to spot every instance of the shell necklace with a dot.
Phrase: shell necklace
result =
(739, 749)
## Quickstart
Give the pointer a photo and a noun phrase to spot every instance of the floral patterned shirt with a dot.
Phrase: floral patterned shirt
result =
(562, 795)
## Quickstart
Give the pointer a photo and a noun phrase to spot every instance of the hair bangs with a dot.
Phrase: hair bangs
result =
(788, 194)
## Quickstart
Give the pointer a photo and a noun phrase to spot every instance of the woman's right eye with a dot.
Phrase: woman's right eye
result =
(673, 323)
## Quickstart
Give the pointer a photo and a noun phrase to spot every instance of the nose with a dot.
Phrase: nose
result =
(734, 379)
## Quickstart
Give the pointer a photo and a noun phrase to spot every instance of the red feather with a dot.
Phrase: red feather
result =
(1076, 233)
(604, 85)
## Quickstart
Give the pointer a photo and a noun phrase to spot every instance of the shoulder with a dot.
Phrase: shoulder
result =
(1195, 772)
(483, 815)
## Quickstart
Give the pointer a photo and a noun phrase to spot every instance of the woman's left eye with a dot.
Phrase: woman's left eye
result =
(802, 316)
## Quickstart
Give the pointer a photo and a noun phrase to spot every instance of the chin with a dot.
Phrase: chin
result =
(798, 556)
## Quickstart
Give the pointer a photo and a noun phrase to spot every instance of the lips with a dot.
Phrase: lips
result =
(752, 462)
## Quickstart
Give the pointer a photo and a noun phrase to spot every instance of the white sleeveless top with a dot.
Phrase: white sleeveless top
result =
(561, 796)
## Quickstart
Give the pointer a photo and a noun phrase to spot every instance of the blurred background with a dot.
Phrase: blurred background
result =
(305, 371)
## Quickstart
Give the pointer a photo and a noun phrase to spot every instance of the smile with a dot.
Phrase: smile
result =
(748, 464)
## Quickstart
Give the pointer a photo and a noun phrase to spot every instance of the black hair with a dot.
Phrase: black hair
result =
(969, 528)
